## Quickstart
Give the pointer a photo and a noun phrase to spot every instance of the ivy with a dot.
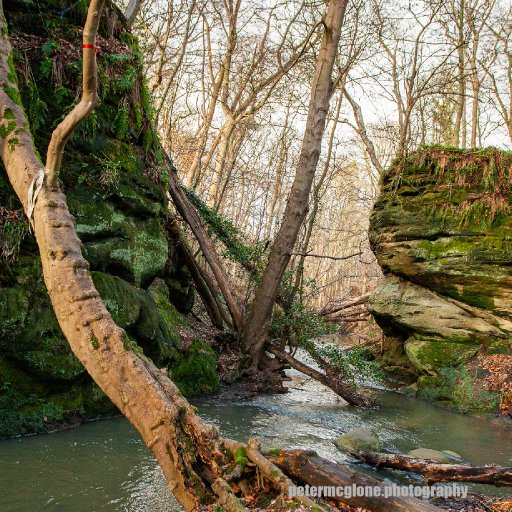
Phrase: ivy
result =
(223, 229)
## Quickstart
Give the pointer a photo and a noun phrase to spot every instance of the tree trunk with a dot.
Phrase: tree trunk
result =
(308, 467)
(187, 211)
(132, 10)
(316, 202)
(461, 100)
(256, 327)
(206, 292)
(434, 471)
(333, 382)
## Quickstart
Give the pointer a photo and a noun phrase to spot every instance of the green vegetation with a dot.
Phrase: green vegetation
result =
(224, 230)
(195, 372)
(241, 457)
(459, 388)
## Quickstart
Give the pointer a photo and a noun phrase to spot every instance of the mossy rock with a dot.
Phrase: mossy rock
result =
(459, 388)
(430, 355)
(195, 372)
(440, 230)
(114, 241)
(444, 456)
(146, 315)
(443, 221)
(359, 440)
(115, 183)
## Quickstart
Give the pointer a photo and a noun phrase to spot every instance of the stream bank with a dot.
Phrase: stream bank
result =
(104, 466)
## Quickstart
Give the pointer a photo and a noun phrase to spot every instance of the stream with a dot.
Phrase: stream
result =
(104, 466)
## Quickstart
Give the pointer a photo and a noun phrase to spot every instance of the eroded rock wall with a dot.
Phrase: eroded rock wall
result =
(442, 233)
(116, 188)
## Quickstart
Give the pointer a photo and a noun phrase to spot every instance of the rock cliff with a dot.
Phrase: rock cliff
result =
(442, 233)
(116, 187)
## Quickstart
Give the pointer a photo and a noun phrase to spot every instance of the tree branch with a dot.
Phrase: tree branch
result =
(89, 100)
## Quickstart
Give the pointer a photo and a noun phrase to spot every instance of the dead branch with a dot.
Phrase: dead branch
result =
(325, 256)
(363, 299)
(337, 385)
(188, 212)
(434, 471)
(204, 287)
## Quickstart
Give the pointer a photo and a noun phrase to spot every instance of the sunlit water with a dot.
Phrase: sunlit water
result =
(104, 466)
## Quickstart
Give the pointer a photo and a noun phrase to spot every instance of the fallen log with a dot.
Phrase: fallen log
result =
(434, 471)
(205, 290)
(311, 469)
(341, 388)
(356, 301)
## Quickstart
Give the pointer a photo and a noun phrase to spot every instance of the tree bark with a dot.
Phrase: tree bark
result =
(132, 10)
(434, 471)
(308, 467)
(461, 81)
(188, 212)
(256, 327)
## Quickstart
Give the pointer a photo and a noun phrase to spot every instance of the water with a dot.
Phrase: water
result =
(104, 466)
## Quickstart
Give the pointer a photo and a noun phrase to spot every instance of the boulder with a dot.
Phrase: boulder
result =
(440, 230)
(445, 456)
(359, 440)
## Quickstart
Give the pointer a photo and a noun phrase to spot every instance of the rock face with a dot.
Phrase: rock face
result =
(115, 184)
(442, 233)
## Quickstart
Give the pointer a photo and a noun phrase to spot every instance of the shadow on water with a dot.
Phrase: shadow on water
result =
(104, 466)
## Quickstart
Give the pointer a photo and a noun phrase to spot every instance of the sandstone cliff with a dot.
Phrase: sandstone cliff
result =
(116, 187)
(442, 233)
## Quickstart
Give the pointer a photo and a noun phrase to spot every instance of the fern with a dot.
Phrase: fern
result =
(120, 124)
(126, 81)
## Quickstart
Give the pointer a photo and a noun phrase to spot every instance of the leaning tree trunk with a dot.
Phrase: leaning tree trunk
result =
(257, 325)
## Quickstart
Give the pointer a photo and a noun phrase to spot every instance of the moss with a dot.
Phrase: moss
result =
(95, 342)
(131, 344)
(429, 355)
(241, 457)
(13, 94)
(6, 130)
(195, 373)
(12, 72)
(459, 388)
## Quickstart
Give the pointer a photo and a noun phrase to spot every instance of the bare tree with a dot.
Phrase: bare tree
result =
(258, 321)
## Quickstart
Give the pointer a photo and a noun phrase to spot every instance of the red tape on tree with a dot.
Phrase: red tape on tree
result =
(92, 47)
